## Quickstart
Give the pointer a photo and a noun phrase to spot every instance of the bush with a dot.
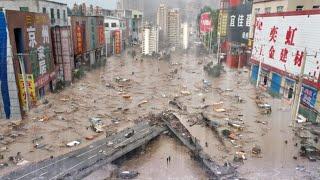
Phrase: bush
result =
(79, 73)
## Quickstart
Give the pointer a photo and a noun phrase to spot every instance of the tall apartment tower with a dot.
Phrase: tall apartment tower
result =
(174, 27)
(150, 40)
(162, 18)
(130, 5)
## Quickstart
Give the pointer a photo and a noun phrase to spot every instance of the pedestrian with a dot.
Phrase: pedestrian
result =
(206, 144)
(169, 159)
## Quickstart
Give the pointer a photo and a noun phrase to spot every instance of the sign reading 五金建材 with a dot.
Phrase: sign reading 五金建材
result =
(280, 41)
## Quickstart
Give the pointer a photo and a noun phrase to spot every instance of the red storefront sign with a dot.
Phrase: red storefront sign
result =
(205, 23)
(79, 41)
(117, 40)
(101, 35)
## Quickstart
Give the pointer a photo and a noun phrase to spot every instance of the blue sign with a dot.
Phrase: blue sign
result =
(309, 96)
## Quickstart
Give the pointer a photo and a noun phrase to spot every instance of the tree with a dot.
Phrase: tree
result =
(214, 18)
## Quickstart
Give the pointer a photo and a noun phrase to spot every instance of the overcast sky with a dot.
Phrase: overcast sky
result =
(108, 4)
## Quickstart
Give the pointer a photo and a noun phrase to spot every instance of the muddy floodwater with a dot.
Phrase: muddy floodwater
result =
(152, 163)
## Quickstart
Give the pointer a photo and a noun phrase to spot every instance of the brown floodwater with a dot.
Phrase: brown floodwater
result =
(151, 163)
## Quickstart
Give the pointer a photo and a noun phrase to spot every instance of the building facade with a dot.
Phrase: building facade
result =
(185, 35)
(88, 40)
(150, 42)
(162, 18)
(131, 5)
(113, 35)
(280, 49)
(9, 95)
(174, 28)
(277, 6)
(32, 57)
(56, 11)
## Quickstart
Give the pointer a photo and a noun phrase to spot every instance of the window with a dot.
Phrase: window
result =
(52, 13)
(299, 8)
(64, 15)
(316, 7)
(44, 10)
(256, 10)
(279, 8)
(107, 24)
(267, 10)
(58, 13)
(24, 9)
(113, 25)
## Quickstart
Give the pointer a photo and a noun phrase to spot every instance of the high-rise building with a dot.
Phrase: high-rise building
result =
(174, 27)
(185, 35)
(162, 18)
(150, 40)
(130, 4)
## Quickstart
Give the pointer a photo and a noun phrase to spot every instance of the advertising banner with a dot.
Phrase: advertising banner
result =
(309, 96)
(282, 45)
(117, 38)
(239, 22)
(79, 39)
(30, 88)
(205, 23)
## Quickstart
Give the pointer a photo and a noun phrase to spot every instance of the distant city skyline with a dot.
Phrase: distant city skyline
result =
(108, 4)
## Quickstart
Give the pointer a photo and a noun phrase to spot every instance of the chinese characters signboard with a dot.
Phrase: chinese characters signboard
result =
(205, 23)
(117, 42)
(79, 39)
(101, 35)
(30, 88)
(239, 23)
(282, 45)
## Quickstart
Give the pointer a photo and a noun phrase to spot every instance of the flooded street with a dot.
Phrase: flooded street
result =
(152, 163)
(127, 89)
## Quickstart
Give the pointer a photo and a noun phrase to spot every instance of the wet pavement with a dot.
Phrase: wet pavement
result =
(126, 89)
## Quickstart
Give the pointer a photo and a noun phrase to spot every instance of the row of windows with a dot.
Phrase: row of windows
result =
(280, 9)
(52, 15)
(114, 24)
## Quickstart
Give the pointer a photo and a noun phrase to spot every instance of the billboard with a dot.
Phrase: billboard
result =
(282, 45)
(205, 23)
(117, 42)
(309, 96)
(239, 22)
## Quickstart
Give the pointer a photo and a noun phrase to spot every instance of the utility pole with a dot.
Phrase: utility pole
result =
(239, 58)
(259, 72)
(297, 96)
(218, 50)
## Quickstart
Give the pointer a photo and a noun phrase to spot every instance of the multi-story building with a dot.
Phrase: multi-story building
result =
(174, 27)
(56, 11)
(137, 21)
(113, 34)
(88, 40)
(150, 40)
(185, 35)
(131, 4)
(275, 6)
(162, 18)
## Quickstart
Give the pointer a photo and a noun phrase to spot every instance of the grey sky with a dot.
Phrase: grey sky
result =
(108, 4)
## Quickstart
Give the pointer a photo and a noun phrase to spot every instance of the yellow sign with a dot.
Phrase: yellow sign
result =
(30, 88)
(222, 25)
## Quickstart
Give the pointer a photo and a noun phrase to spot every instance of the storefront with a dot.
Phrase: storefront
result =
(275, 84)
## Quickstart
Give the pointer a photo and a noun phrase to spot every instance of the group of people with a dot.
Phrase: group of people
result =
(168, 159)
